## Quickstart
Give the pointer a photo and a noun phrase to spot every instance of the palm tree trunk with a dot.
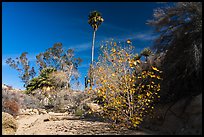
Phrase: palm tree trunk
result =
(92, 57)
(93, 47)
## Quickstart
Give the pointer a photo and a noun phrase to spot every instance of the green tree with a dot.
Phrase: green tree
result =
(22, 65)
(43, 80)
(55, 57)
(60, 59)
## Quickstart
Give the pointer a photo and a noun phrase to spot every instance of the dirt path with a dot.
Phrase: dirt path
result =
(44, 125)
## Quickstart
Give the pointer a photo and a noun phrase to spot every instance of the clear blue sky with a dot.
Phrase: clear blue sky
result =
(35, 26)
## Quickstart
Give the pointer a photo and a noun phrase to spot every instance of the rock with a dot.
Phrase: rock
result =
(4, 86)
(27, 112)
(193, 115)
(46, 101)
(183, 118)
(22, 111)
(36, 111)
(51, 113)
(42, 111)
(9, 124)
(57, 114)
(195, 105)
(94, 107)
(32, 111)
(59, 118)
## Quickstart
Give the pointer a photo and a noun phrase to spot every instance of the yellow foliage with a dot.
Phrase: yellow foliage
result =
(128, 41)
(127, 94)
(148, 94)
(113, 50)
(154, 68)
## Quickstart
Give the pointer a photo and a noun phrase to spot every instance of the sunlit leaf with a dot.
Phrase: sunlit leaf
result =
(128, 41)
(154, 68)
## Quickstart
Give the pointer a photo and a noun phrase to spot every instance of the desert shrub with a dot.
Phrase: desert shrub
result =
(71, 101)
(79, 112)
(11, 106)
(60, 100)
(13, 100)
(28, 101)
(10, 101)
(125, 85)
(58, 79)
(42, 97)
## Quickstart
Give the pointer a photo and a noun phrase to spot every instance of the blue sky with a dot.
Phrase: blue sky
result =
(36, 26)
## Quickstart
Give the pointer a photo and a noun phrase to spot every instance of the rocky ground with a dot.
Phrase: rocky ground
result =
(63, 124)
(183, 118)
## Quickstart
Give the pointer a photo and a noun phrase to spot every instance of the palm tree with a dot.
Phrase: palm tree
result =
(94, 19)
(137, 57)
(146, 53)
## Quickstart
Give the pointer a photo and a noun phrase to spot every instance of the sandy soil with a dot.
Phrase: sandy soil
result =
(44, 124)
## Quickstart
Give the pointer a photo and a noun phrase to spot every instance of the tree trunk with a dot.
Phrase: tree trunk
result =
(69, 76)
(92, 58)
(93, 47)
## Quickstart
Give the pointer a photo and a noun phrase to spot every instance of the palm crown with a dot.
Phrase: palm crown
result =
(95, 19)
(146, 52)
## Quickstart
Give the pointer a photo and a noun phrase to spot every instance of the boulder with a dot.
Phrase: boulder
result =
(42, 111)
(93, 107)
(9, 124)
(35, 111)
(183, 118)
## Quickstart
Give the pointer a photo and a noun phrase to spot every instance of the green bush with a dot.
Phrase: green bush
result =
(41, 81)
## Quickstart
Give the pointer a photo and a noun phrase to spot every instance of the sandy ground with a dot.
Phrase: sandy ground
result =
(40, 125)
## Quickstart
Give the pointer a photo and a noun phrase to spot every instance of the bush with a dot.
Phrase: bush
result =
(60, 100)
(11, 106)
(59, 79)
(13, 100)
(79, 112)
(126, 86)
(68, 100)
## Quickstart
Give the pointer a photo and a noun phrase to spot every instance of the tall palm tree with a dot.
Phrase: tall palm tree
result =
(94, 19)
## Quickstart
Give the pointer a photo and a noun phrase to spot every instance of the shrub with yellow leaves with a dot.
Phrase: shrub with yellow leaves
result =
(127, 92)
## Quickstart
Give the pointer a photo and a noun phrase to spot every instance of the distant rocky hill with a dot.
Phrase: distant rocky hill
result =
(10, 88)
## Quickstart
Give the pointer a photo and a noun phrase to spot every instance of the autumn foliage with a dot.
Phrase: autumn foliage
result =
(11, 106)
(126, 87)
